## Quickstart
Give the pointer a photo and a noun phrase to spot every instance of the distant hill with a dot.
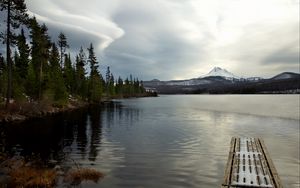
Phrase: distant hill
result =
(221, 81)
(285, 75)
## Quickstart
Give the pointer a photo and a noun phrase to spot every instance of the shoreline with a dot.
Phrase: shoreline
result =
(19, 112)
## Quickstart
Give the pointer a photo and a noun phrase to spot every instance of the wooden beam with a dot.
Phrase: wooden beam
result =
(228, 169)
(274, 175)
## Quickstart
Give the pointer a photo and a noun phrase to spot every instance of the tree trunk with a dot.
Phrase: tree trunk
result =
(9, 63)
(61, 57)
(40, 81)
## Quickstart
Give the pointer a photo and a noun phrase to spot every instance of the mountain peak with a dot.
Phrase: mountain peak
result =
(218, 71)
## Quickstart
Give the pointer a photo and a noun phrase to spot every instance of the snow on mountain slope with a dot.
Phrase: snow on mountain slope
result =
(188, 82)
(217, 71)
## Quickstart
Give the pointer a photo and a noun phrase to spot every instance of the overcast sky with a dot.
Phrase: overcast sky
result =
(178, 39)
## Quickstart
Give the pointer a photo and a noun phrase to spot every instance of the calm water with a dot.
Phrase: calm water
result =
(168, 141)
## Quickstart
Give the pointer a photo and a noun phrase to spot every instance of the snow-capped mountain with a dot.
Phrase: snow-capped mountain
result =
(217, 71)
(220, 80)
(203, 80)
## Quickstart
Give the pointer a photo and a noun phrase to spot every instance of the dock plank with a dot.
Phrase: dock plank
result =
(249, 164)
(271, 166)
(229, 165)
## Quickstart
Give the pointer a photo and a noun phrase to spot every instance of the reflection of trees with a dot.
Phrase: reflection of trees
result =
(57, 137)
(95, 132)
(129, 115)
(116, 114)
(109, 114)
(45, 137)
(110, 111)
(81, 137)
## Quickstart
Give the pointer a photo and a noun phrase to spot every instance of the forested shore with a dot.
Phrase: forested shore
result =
(39, 76)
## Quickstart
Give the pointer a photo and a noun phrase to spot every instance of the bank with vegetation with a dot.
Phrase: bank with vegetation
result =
(39, 76)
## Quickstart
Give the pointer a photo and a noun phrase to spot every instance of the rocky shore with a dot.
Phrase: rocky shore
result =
(17, 112)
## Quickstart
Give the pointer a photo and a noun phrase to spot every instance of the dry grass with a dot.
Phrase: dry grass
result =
(32, 177)
(33, 174)
(76, 176)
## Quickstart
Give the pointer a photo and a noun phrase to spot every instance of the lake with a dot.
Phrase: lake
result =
(167, 141)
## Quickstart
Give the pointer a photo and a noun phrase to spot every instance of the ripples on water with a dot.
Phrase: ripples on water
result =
(169, 141)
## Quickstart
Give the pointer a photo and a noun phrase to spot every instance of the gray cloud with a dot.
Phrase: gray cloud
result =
(264, 50)
(174, 39)
(77, 17)
(289, 55)
(155, 42)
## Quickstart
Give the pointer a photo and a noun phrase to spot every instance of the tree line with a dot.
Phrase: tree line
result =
(44, 70)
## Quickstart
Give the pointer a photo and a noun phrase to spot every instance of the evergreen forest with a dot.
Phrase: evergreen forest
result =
(37, 68)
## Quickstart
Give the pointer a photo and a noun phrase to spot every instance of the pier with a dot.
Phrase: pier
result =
(250, 165)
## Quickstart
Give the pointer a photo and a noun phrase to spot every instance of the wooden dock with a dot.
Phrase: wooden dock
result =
(250, 165)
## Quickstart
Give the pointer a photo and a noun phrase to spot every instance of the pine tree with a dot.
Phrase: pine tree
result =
(2, 64)
(2, 76)
(119, 86)
(107, 75)
(127, 86)
(17, 82)
(95, 86)
(23, 61)
(136, 86)
(102, 83)
(16, 15)
(81, 86)
(131, 89)
(40, 46)
(107, 80)
(142, 89)
(57, 82)
(69, 74)
(111, 85)
(62, 43)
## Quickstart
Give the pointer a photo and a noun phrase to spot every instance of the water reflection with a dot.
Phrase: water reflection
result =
(50, 137)
(95, 133)
(170, 141)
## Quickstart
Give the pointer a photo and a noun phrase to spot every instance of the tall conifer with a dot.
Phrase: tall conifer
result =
(23, 61)
(16, 15)
(40, 45)
(62, 44)
(95, 86)
(81, 85)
